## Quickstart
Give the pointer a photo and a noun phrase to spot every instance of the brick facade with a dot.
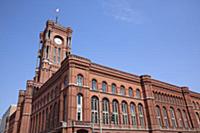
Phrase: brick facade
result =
(79, 96)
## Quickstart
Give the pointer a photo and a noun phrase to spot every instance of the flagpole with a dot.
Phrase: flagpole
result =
(57, 11)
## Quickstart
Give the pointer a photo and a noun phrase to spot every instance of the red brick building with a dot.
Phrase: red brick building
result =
(71, 94)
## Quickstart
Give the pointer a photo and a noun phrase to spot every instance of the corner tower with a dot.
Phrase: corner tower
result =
(55, 45)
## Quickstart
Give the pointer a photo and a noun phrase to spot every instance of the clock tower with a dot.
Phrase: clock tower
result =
(55, 45)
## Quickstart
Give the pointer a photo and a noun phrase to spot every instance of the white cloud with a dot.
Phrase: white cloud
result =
(122, 10)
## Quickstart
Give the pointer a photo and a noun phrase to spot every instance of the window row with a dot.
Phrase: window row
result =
(56, 54)
(45, 99)
(46, 119)
(104, 87)
(196, 105)
(176, 119)
(129, 115)
(168, 99)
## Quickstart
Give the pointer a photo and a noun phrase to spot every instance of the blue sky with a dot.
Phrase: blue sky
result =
(157, 37)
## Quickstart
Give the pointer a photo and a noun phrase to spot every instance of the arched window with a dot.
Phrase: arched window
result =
(115, 112)
(114, 91)
(155, 96)
(133, 115)
(173, 118)
(104, 86)
(94, 109)
(79, 107)
(197, 105)
(185, 119)
(141, 115)
(198, 118)
(124, 113)
(130, 92)
(159, 96)
(105, 106)
(79, 80)
(158, 115)
(94, 84)
(138, 94)
(122, 90)
(194, 105)
(165, 116)
(180, 120)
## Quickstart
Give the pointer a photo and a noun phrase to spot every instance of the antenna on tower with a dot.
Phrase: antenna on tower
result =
(57, 11)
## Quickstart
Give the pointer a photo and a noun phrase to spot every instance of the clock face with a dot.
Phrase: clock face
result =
(57, 40)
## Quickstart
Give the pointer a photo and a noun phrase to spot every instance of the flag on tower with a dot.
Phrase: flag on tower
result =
(57, 10)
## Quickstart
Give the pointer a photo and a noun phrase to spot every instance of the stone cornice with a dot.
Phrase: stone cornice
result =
(52, 24)
(86, 64)
(165, 85)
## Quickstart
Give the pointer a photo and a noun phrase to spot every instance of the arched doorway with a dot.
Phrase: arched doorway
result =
(82, 131)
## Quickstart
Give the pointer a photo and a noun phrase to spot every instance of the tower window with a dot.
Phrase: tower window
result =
(59, 51)
(79, 107)
(49, 33)
(69, 39)
(54, 55)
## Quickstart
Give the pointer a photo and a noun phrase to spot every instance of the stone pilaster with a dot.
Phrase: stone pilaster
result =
(18, 111)
(27, 107)
(149, 102)
(190, 112)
